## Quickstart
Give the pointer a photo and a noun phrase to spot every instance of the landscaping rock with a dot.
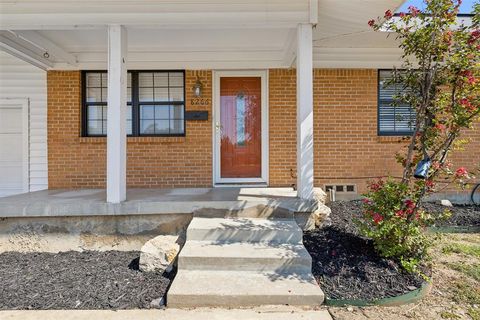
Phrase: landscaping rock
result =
(320, 195)
(446, 203)
(160, 253)
(157, 303)
(319, 218)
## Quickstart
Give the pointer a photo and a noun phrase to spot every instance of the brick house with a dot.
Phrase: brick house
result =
(258, 93)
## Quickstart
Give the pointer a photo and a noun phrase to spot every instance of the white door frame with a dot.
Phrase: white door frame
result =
(263, 74)
(24, 104)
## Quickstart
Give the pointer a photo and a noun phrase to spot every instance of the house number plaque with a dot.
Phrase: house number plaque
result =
(200, 102)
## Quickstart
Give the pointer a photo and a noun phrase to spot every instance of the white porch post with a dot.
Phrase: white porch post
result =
(304, 112)
(116, 131)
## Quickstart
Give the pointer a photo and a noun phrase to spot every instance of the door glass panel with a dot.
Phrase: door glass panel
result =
(240, 118)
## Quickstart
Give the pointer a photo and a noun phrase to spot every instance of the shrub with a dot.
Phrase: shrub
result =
(440, 80)
(395, 224)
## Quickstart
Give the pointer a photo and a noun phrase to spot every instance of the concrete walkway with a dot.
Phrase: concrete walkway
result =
(264, 313)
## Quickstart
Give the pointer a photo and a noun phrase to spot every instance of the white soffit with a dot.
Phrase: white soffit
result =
(73, 14)
(214, 34)
(343, 39)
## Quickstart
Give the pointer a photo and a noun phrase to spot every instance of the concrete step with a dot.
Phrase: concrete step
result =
(244, 230)
(245, 256)
(194, 288)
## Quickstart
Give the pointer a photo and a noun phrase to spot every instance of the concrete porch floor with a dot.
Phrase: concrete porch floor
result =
(262, 202)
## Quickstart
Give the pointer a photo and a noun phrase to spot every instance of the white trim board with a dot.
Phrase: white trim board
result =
(263, 74)
(24, 105)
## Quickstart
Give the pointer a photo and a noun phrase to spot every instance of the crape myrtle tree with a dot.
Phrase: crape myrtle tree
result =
(440, 80)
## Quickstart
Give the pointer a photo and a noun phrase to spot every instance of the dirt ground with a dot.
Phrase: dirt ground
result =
(456, 286)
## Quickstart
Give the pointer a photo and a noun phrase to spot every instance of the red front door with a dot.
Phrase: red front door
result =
(241, 132)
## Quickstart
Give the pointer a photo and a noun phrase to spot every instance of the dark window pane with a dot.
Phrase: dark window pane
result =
(176, 79)
(161, 94)
(393, 119)
(176, 126)
(94, 94)
(176, 112)
(162, 127)
(145, 80)
(147, 112)
(93, 80)
(145, 94)
(176, 94)
(104, 94)
(104, 79)
(95, 127)
(95, 112)
(162, 112)
(129, 127)
(160, 79)
(147, 126)
(152, 87)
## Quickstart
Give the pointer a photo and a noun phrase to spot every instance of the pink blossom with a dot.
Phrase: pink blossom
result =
(410, 204)
(474, 36)
(461, 172)
(388, 14)
(366, 201)
(440, 126)
(400, 213)
(413, 11)
(430, 184)
(371, 23)
(377, 218)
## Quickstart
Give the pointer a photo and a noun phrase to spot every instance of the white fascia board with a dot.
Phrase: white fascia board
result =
(52, 48)
(23, 53)
(67, 21)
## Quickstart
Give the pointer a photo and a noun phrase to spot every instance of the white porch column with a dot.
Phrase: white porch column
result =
(116, 131)
(304, 112)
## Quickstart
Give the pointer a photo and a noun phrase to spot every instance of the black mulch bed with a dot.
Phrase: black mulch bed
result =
(462, 215)
(344, 212)
(77, 280)
(346, 265)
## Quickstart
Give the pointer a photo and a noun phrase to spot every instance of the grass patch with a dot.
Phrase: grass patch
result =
(449, 315)
(464, 292)
(472, 271)
(474, 313)
(469, 250)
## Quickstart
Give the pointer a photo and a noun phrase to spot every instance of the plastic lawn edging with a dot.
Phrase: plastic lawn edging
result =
(455, 229)
(412, 296)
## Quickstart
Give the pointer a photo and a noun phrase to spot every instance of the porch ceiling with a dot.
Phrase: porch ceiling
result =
(214, 34)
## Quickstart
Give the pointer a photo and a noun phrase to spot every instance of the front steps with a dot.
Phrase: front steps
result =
(243, 262)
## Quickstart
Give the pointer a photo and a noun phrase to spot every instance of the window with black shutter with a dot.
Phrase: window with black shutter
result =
(394, 119)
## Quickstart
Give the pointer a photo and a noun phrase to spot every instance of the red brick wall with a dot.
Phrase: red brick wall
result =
(282, 122)
(347, 148)
(346, 145)
(79, 162)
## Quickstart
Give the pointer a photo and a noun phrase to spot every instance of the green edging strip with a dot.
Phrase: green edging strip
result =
(455, 229)
(412, 296)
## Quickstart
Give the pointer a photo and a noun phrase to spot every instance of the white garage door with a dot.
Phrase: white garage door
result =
(13, 146)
